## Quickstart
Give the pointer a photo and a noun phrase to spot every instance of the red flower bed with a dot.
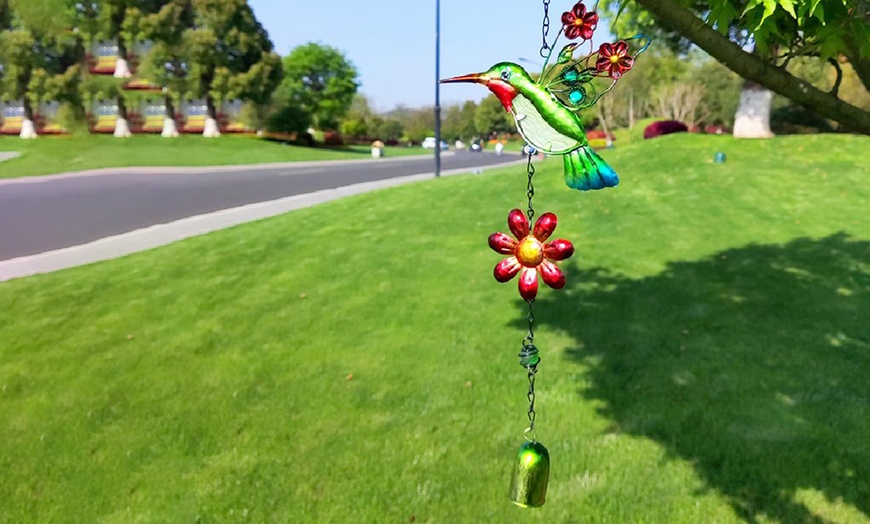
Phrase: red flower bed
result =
(664, 127)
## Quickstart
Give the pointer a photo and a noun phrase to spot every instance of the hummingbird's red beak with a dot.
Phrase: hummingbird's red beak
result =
(503, 90)
(476, 78)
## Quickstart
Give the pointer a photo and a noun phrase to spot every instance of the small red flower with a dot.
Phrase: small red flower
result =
(529, 254)
(614, 59)
(578, 23)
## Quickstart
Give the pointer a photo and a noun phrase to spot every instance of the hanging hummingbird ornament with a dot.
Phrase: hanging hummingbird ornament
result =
(545, 110)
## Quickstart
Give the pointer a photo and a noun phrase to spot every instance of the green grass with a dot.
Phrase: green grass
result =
(356, 362)
(56, 154)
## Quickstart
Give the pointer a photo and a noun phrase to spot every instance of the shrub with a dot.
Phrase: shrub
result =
(716, 130)
(332, 138)
(636, 132)
(598, 134)
(664, 127)
(288, 119)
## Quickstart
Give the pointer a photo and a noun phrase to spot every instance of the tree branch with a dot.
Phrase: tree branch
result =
(836, 88)
(752, 68)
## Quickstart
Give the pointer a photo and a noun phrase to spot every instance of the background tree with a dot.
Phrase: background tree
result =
(491, 118)
(459, 121)
(778, 31)
(121, 22)
(229, 55)
(359, 121)
(165, 64)
(387, 129)
(38, 57)
(321, 81)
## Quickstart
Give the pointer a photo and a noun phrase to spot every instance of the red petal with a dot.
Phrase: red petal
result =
(591, 18)
(626, 63)
(518, 223)
(605, 51)
(502, 243)
(559, 249)
(544, 226)
(579, 10)
(568, 18)
(587, 32)
(572, 32)
(621, 48)
(603, 64)
(552, 275)
(528, 284)
(615, 73)
(507, 269)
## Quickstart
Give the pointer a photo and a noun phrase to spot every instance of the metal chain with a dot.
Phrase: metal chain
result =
(529, 348)
(545, 29)
(530, 337)
(530, 432)
(530, 187)
(529, 355)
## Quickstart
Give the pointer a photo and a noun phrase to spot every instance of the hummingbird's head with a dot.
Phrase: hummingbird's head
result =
(504, 79)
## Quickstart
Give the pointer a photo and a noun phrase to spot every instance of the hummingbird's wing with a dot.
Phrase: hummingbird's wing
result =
(579, 83)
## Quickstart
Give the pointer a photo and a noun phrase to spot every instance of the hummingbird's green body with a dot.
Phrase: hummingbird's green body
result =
(546, 124)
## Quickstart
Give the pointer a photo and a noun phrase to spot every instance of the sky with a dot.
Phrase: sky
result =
(392, 42)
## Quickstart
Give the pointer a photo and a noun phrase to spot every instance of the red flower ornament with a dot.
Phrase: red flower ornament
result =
(614, 59)
(578, 23)
(529, 254)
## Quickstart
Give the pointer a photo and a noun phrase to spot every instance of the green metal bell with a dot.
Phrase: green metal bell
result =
(531, 474)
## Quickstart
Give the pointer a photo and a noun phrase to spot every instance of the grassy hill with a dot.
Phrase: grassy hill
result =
(356, 361)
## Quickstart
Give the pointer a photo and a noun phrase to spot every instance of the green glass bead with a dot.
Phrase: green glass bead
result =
(529, 357)
(570, 76)
(576, 96)
(531, 475)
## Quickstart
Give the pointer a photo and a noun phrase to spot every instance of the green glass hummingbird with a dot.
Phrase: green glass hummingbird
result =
(545, 109)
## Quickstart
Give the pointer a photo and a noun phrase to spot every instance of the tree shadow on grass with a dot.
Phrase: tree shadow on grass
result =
(753, 365)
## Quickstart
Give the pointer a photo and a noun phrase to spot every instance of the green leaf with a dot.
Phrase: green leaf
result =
(566, 53)
(750, 6)
(818, 11)
(769, 8)
(788, 5)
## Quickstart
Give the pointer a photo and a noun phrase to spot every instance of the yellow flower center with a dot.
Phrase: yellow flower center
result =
(530, 252)
(614, 59)
(578, 21)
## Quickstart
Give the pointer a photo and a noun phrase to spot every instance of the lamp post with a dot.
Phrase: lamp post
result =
(437, 88)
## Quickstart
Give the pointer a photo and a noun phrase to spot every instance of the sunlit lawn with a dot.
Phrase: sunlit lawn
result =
(56, 154)
(356, 362)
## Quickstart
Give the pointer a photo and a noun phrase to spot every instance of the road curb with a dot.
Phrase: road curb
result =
(197, 170)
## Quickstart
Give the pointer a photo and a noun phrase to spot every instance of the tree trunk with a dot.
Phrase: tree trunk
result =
(122, 127)
(170, 130)
(211, 129)
(753, 68)
(28, 129)
(752, 119)
(122, 68)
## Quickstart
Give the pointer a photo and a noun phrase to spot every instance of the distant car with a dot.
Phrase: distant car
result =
(476, 146)
(429, 143)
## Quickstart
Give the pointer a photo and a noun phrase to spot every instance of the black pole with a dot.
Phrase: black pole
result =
(437, 88)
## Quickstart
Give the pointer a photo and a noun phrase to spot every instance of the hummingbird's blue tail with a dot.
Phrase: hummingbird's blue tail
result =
(585, 170)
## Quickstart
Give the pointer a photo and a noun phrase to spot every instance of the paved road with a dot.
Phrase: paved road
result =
(49, 213)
